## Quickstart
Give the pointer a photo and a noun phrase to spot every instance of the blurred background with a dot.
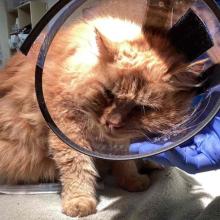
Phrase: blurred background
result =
(17, 18)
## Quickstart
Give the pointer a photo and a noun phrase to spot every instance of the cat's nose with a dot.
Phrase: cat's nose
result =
(114, 121)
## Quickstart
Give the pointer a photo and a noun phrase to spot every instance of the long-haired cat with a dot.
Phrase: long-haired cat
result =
(107, 81)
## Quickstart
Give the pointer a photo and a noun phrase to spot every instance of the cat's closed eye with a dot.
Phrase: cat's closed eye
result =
(142, 109)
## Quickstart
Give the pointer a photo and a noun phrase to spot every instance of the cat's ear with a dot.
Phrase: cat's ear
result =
(107, 48)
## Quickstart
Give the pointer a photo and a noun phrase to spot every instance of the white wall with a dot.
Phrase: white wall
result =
(50, 2)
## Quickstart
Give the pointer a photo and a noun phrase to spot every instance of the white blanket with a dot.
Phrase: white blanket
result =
(173, 195)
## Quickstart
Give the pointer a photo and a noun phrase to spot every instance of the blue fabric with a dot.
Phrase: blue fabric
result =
(202, 154)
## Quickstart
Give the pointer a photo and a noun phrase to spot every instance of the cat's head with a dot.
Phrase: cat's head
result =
(141, 88)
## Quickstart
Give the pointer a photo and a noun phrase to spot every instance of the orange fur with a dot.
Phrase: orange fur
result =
(96, 84)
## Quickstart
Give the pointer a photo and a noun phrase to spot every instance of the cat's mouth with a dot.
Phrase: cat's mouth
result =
(121, 133)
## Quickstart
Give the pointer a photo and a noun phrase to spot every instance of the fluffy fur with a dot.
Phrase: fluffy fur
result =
(107, 80)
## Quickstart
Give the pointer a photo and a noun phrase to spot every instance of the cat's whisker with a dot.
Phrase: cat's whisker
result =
(145, 135)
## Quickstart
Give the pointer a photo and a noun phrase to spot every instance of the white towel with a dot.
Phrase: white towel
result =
(173, 195)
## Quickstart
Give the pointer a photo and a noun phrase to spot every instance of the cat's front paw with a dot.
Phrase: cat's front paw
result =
(136, 183)
(79, 207)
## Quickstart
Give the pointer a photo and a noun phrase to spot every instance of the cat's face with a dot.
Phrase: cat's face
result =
(137, 91)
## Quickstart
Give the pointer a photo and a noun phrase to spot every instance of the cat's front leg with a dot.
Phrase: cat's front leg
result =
(78, 178)
(128, 177)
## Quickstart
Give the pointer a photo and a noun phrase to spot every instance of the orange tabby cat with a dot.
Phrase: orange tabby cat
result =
(107, 80)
